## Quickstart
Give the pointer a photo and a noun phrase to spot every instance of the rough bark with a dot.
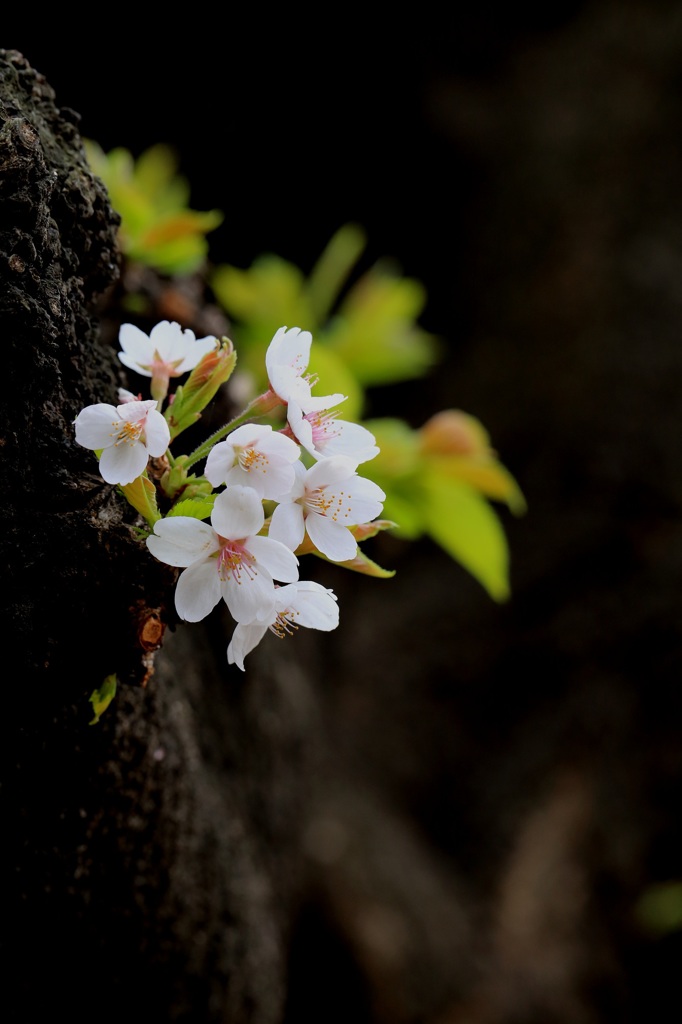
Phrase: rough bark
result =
(141, 856)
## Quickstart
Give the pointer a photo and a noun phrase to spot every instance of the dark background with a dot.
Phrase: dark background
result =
(526, 168)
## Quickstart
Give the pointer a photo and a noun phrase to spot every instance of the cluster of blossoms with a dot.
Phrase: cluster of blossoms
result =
(304, 474)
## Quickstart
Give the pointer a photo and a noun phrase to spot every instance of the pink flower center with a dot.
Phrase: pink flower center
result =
(235, 561)
(324, 427)
(161, 368)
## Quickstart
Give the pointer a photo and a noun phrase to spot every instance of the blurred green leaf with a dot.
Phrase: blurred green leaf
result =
(267, 296)
(375, 330)
(157, 227)
(485, 474)
(465, 525)
(659, 909)
(332, 269)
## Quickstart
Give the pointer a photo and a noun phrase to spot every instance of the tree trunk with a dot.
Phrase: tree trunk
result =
(147, 860)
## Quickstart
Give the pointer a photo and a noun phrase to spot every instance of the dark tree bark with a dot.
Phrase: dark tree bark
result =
(146, 866)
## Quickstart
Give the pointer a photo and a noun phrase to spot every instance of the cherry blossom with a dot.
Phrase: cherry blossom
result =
(226, 559)
(324, 501)
(298, 604)
(323, 434)
(127, 396)
(168, 351)
(254, 455)
(127, 434)
(286, 361)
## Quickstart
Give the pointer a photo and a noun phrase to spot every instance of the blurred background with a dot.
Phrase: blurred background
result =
(504, 840)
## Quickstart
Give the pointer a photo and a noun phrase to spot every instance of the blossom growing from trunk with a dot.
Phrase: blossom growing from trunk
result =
(127, 435)
(286, 362)
(323, 434)
(254, 455)
(298, 604)
(127, 396)
(324, 501)
(226, 559)
(167, 351)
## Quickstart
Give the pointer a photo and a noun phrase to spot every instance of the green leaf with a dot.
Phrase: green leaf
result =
(659, 909)
(334, 376)
(102, 698)
(195, 508)
(464, 524)
(398, 450)
(375, 331)
(361, 563)
(332, 269)
(485, 474)
(157, 227)
(403, 508)
(141, 494)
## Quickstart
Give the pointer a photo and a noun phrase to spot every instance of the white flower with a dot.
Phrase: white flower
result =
(255, 455)
(323, 435)
(127, 396)
(225, 559)
(168, 351)
(286, 360)
(298, 604)
(324, 501)
(128, 435)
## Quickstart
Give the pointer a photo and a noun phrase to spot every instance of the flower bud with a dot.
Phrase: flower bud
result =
(212, 370)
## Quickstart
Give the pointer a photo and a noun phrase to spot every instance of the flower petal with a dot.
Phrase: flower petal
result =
(244, 639)
(313, 403)
(123, 463)
(135, 410)
(274, 556)
(287, 524)
(334, 541)
(350, 439)
(170, 341)
(220, 460)
(181, 540)
(198, 590)
(251, 596)
(286, 360)
(315, 605)
(157, 434)
(237, 513)
(137, 348)
(97, 426)
(200, 348)
(333, 470)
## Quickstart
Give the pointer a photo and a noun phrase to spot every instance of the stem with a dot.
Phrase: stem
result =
(255, 410)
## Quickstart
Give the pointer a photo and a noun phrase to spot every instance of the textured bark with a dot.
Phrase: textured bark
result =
(139, 856)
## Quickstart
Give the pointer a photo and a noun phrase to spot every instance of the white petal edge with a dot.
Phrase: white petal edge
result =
(274, 556)
(181, 540)
(198, 590)
(287, 524)
(123, 463)
(244, 639)
(96, 426)
(334, 541)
